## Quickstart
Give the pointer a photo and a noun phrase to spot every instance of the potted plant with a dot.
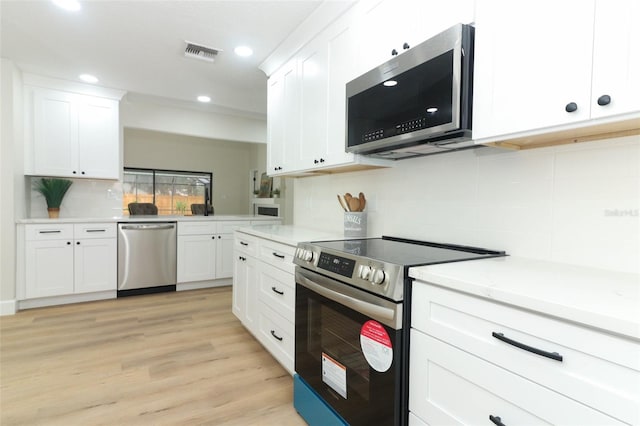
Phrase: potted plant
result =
(275, 193)
(181, 207)
(53, 190)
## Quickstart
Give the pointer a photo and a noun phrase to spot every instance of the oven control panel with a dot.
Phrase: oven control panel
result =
(336, 264)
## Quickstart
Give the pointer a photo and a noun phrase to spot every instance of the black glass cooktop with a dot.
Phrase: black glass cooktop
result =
(407, 252)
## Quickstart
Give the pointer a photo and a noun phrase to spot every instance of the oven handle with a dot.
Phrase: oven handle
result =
(389, 315)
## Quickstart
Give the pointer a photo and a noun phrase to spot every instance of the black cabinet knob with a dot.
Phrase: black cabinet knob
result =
(394, 52)
(68, 243)
(77, 243)
(406, 46)
(322, 160)
(74, 172)
(571, 107)
(604, 100)
(82, 172)
(315, 161)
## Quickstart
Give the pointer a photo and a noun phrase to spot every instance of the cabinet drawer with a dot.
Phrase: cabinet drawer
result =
(278, 255)
(598, 369)
(94, 230)
(197, 228)
(277, 335)
(229, 227)
(450, 386)
(245, 243)
(48, 232)
(276, 288)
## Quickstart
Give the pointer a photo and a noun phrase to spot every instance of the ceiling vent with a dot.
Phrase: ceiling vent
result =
(197, 51)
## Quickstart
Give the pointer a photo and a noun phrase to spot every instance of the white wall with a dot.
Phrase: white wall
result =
(577, 204)
(12, 193)
(230, 162)
(141, 113)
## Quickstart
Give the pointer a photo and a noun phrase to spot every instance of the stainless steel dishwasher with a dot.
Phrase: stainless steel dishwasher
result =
(146, 257)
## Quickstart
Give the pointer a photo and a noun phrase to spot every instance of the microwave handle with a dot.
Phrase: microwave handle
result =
(386, 315)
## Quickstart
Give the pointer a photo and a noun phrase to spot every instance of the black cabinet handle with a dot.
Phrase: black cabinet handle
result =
(49, 232)
(322, 160)
(273, 333)
(77, 243)
(96, 230)
(82, 172)
(394, 52)
(242, 258)
(243, 243)
(68, 243)
(571, 107)
(406, 46)
(553, 355)
(315, 161)
(279, 256)
(219, 236)
(496, 420)
(604, 100)
(74, 172)
(275, 290)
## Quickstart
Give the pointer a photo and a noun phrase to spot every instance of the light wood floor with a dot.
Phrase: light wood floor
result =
(172, 358)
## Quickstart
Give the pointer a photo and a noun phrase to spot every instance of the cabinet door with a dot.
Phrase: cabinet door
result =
(98, 138)
(341, 68)
(245, 292)
(313, 105)
(55, 133)
(95, 265)
(49, 268)
(284, 119)
(616, 57)
(224, 256)
(384, 26)
(196, 258)
(532, 59)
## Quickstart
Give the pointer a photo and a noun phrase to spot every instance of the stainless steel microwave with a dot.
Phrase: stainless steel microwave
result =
(417, 103)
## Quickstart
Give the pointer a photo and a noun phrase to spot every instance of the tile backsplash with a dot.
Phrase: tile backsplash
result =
(85, 199)
(576, 204)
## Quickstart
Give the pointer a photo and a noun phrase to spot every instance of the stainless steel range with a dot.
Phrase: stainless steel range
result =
(351, 348)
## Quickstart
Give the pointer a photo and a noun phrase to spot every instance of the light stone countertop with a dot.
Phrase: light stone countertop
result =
(606, 300)
(141, 218)
(290, 234)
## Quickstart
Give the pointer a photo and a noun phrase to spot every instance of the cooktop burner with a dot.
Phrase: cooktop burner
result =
(379, 265)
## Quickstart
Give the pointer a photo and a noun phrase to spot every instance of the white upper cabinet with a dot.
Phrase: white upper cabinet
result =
(283, 119)
(398, 25)
(544, 66)
(616, 65)
(71, 135)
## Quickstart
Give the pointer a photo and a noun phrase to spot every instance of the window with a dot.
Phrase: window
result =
(171, 191)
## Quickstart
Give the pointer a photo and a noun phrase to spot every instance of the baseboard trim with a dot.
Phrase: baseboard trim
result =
(8, 307)
(66, 299)
(204, 284)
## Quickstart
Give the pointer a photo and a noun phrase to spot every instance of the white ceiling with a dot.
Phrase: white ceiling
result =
(138, 46)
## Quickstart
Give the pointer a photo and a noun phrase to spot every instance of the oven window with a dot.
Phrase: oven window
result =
(339, 336)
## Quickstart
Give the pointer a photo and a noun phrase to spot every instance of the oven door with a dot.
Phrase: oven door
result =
(348, 349)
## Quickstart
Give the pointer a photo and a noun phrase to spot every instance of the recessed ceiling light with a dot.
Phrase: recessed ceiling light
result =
(88, 78)
(390, 83)
(203, 98)
(71, 5)
(243, 51)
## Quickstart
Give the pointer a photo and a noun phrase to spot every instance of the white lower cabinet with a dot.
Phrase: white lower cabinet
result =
(513, 364)
(205, 250)
(69, 259)
(264, 294)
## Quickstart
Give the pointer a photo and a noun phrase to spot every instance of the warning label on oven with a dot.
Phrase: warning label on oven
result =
(376, 346)
(334, 374)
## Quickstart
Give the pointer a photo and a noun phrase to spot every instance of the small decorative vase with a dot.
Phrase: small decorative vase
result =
(54, 212)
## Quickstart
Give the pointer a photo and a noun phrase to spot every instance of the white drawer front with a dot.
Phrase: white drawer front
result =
(277, 290)
(48, 232)
(229, 227)
(197, 228)
(245, 243)
(598, 369)
(277, 335)
(450, 386)
(278, 255)
(94, 230)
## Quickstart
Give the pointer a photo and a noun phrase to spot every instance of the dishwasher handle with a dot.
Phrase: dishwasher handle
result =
(149, 227)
